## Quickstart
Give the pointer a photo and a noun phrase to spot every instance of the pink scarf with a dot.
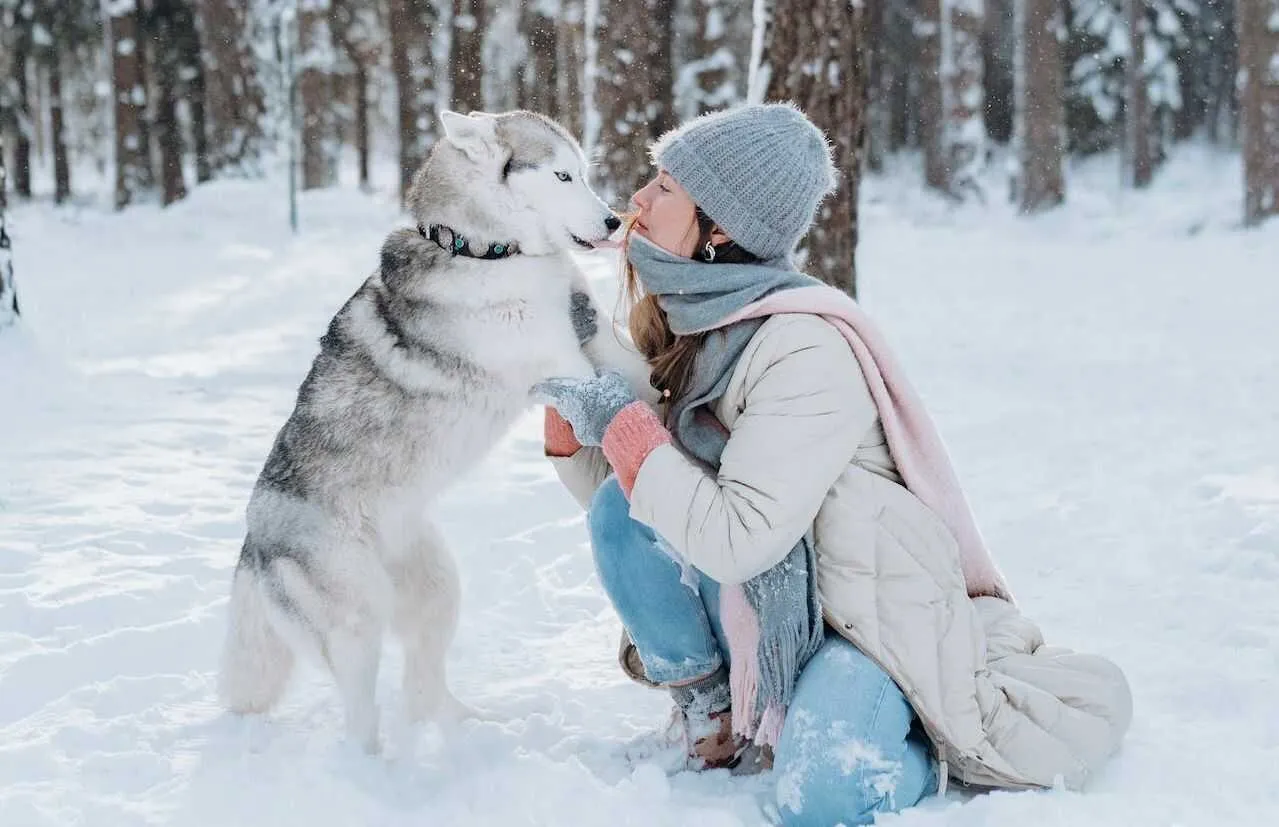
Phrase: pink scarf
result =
(921, 459)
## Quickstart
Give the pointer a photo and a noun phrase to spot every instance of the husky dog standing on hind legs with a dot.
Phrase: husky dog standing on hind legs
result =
(420, 373)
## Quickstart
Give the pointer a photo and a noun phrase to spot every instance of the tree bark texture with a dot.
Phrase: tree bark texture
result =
(466, 63)
(132, 162)
(633, 91)
(817, 55)
(1038, 114)
(1258, 22)
(412, 24)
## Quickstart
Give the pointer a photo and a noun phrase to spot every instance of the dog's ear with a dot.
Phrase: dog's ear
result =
(474, 134)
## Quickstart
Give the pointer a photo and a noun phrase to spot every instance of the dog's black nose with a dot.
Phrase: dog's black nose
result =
(612, 222)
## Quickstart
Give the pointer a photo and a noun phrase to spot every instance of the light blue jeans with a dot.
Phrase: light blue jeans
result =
(851, 746)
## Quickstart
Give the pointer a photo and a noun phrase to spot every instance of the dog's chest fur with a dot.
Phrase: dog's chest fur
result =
(419, 377)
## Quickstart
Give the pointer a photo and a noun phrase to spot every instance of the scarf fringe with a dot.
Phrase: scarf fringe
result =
(760, 714)
(741, 628)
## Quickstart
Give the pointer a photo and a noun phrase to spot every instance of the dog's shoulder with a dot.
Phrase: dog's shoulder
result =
(406, 255)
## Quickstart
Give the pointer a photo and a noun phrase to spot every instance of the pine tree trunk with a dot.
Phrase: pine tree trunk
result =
(169, 138)
(539, 81)
(1258, 22)
(22, 144)
(315, 89)
(8, 290)
(877, 86)
(632, 90)
(900, 42)
(1139, 158)
(362, 121)
(412, 24)
(706, 83)
(129, 92)
(570, 51)
(146, 113)
(167, 28)
(233, 91)
(61, 167)
(817, 54)
(932, 113)
(192, 63)
(1038, 114)
(963, 96)
(466, 63)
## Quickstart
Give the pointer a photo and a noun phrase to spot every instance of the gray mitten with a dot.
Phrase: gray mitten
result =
(584, 317)
(589, 405)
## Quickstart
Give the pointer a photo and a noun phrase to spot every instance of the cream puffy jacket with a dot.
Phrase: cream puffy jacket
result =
(1002, 708)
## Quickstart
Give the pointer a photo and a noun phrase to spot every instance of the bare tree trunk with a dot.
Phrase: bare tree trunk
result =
(570, 51)
(538, 82)
(1038, 115)
(9, 310)
(169, 138)
(963, 96)
(61, 167)
(633, 90)
(817, 56)
(236, 103)
(877, 86)
(315, 89)
(1258, 22)
(708, 81)
(466, 63)
(362, 121)
(899, 43)
(412, 24)
(999, 44)
(1139, 159)
(932, 112)
(191, 50)
(170, 25)
(132, 163)
(22, 145)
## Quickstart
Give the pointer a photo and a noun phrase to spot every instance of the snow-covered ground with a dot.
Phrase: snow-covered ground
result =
(1107, 377)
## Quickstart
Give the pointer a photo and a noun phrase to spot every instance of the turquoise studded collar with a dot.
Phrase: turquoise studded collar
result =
(458, 245)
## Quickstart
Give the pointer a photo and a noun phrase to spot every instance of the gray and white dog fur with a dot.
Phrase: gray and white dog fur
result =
(421, 372)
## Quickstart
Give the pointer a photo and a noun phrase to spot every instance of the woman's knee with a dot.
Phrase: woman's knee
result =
(846, 751)
(617, 541)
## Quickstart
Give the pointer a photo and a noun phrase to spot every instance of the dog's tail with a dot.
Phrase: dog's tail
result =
(256, 660)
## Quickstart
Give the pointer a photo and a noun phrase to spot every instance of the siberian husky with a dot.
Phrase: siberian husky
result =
(420, 373)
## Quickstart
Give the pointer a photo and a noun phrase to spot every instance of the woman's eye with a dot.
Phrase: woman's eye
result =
(564, 176)
(663, 188)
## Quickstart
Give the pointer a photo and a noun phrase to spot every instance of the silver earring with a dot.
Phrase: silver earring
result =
(708, 252)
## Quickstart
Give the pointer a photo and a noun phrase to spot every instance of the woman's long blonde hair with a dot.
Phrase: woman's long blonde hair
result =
(670, 356)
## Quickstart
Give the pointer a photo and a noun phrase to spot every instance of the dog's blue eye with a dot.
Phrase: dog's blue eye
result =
(564, 176)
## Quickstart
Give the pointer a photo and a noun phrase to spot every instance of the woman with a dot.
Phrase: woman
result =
(785, 541)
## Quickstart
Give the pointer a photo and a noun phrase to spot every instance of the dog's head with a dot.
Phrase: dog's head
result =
(516, 176)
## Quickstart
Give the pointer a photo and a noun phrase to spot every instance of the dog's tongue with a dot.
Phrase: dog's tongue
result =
(609, 244)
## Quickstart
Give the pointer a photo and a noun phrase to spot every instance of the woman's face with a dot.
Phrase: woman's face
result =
(668, 216)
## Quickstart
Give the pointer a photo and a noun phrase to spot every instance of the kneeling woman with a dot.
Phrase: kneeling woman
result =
(784, 540)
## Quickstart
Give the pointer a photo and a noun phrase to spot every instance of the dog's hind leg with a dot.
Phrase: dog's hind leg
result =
(427, 595)
(256, 660)
(352, 651)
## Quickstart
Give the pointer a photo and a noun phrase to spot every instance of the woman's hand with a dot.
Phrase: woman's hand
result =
(589, 405)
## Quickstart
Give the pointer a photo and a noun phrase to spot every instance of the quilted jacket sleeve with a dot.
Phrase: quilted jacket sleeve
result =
(805, 409)
(582, 473)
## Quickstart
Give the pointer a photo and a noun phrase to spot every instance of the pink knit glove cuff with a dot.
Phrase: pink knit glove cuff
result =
(632, 435)
(558, 434)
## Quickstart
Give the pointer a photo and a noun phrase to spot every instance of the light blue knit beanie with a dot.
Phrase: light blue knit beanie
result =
(759, 171)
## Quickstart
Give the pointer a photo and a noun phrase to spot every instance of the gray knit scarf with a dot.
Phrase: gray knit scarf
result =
(696, 297)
